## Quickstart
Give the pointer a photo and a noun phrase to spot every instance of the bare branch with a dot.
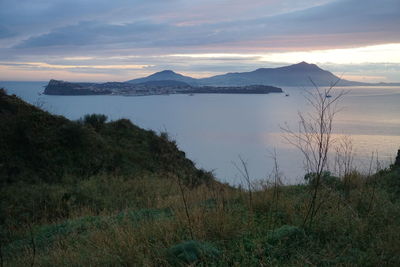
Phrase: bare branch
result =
(314, 137)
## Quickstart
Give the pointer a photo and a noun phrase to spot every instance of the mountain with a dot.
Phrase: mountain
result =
(292, 75)
(165, 75)
(164, 83)
(302, 74)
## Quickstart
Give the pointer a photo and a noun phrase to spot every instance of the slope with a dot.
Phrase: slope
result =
(36, 146)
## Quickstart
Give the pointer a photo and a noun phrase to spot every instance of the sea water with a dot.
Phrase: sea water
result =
(216, 129)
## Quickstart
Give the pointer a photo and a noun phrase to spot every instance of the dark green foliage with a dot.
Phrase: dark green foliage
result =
(144, 214)
(326, 179)
(97, 121)
(190, 252)
(397, 161)
(45, 235)
(21, 202)
(37, 146)
(286, 234)
(389, 180)
(283, 242)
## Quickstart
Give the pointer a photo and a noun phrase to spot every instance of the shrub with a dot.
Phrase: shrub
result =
(190, 252)
(284, 241)
(286, 234)
(326, 179)
(97, 121)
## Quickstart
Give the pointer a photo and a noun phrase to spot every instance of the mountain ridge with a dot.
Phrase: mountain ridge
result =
(165, 75)
(299, 74)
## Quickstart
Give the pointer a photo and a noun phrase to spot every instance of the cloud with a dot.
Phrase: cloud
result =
(41, 16)
(29, 17)
(340, 24)
(95, 33)
(124, 68)
(43, 65)
(5, 32)
(204, 37)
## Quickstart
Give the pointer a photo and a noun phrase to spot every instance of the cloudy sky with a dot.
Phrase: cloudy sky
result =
(103, 40)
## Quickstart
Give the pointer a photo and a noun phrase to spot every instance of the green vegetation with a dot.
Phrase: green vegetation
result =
(98, 193)
(36, 146)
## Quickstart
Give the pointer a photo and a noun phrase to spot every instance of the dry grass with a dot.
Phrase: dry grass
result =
(362, 227)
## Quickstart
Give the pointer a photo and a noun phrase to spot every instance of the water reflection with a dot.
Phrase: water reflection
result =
(214, 129)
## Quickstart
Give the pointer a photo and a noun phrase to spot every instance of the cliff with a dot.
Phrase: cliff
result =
(55, 87)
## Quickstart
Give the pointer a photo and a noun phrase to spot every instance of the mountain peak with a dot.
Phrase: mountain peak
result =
(304, 66)
(166, 72)
(165, 75)
(298, 74)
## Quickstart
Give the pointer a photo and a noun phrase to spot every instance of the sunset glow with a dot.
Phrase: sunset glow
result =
(100, 40)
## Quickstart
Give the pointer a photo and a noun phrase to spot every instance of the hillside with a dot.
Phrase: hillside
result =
(165, 83)
(166, 75)
(97, 193)
(36, 146)
(292, 75)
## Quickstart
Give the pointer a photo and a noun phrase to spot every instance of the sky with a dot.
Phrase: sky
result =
(102, 40)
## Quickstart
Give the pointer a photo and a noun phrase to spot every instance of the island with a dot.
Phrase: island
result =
(163, 87)
(259, 81)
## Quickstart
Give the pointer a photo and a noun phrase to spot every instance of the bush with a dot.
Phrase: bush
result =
(286, 234)
(190, 252)
(326, 178)
(97, 121)
(284, 241)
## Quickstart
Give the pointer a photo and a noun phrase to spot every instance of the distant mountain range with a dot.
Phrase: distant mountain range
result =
(260, 81)
(293, 75)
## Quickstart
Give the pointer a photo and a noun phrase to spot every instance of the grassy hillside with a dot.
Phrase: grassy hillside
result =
(36, 146)
(116, 195)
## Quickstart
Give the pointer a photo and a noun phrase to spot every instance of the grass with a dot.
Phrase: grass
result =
(226, 232)
(157, 209)
(36, 146)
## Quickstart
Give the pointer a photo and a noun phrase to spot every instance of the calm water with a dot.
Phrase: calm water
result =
(215, 129)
